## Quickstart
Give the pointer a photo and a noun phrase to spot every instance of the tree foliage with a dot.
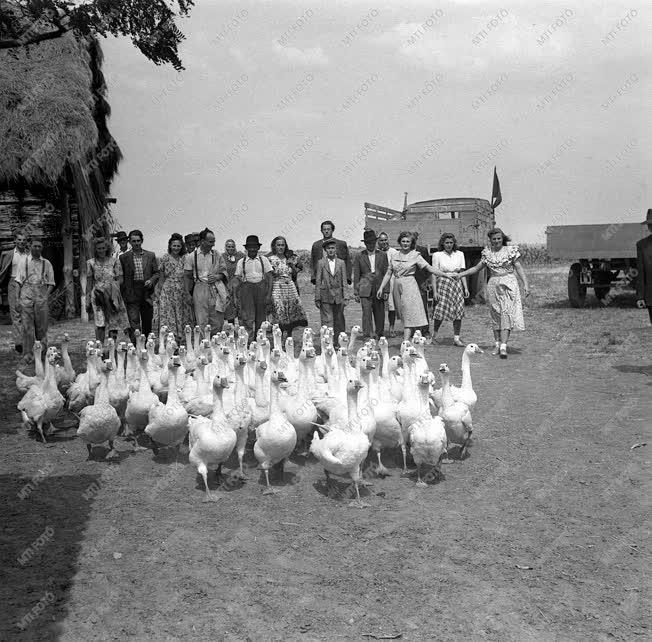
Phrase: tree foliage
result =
(150, 24)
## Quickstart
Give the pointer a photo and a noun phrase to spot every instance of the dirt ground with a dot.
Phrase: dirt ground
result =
(541, 534)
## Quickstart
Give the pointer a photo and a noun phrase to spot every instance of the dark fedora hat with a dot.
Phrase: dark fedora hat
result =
(120, 235)
(252, 241)
(369, 236)
(648, 220)
(330, 241)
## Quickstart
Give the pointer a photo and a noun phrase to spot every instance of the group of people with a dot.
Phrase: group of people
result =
(131, 289)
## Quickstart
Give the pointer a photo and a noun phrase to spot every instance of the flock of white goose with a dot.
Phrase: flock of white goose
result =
(219, 393)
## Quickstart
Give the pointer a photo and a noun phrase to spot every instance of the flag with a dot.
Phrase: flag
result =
(496, 196)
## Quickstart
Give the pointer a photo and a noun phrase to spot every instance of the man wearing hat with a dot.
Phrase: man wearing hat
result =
(644, 266)
(330, 284)
(191, 241)
(123, 243)
(369, 267)
(253, 281)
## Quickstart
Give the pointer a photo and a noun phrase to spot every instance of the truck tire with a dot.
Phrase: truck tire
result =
(576, 291)
(601, 292)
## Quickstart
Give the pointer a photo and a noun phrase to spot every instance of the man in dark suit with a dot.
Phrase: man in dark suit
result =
(369, 267)
(330, 284)
(318, 251)
(139, 272)
(644, 267)
(423, 280)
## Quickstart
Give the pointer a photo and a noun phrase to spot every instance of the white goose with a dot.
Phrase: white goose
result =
(456, 415)
(465, 392)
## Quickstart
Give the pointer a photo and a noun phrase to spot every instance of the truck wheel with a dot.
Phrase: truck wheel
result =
(576, 291)
(601, 292)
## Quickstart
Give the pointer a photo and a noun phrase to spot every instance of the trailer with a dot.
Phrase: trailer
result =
(469, 219)
(602, 255)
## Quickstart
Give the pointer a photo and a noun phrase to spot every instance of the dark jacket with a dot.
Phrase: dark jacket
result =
(422, 275)
(150, 269)
(366, 282)
(317, 253)
(644, 267)
(330, 288)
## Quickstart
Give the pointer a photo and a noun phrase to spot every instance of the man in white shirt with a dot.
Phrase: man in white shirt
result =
(204, 270)
(253, 280)
(36, 279)
(18, 258)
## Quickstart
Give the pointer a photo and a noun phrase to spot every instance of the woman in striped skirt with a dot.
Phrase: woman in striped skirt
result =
(449, 293)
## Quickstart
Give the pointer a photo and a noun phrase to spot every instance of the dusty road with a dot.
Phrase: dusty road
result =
(541, 534)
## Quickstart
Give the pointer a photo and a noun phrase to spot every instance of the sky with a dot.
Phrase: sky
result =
(290, 113)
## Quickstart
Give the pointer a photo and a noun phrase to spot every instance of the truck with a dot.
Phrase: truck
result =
(602, 256)
(469, 219)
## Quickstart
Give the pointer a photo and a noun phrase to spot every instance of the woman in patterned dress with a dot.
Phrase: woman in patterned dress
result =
(231, 257)
(403, 265)
(171, 308)
(503, 294)
(103, 298)
(287, 309)
(449, 293)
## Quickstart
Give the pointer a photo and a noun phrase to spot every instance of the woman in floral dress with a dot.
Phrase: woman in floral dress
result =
(403, 266)
(103, 279)
(503, 294)
(171, 308)
(287, 309)
(231, 257)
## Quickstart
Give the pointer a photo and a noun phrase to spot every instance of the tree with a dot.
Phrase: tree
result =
(151, 24)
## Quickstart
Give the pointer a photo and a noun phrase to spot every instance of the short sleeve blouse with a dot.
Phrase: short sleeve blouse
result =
(501, 262)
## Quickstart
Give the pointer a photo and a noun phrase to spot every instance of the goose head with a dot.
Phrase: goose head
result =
(353, 386)
(443, 368)
(395, 363)
(473, 347)
(278, 376)
(220, 383)
(425, 379)
(240, 360)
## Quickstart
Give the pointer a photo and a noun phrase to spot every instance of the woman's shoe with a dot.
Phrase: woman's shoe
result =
(458, 342)
(496, 350)
(503, 352)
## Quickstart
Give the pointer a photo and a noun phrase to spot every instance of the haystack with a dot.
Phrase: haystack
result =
(57, 157)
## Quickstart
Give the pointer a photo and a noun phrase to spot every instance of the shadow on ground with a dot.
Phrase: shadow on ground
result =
(43, 527)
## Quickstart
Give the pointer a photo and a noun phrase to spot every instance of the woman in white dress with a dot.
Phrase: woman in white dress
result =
(449, 293)
(503, 294)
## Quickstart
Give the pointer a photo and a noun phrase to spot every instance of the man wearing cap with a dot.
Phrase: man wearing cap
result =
(122, 240)
(11, 265)
(330, 284)
(205, 279)
(644, 267)
(36, 280)
(369, 267)
(253, 281)
(318, 252)
(191, 241)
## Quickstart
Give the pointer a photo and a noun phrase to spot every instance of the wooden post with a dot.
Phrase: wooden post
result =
(68, 283)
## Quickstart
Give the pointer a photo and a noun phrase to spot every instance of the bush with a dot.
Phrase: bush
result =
(534, 254)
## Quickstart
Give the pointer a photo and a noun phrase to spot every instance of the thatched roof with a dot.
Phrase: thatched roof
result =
(52, 115)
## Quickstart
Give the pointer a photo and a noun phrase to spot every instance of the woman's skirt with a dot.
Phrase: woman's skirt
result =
(504, 300)
(410, 303)
(450, 303)
(287, 309)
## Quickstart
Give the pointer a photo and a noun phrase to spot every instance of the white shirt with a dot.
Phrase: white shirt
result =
(331, 266)
(36, 272)
(372, 260)
(252, 270)
(448, 262)
(18, 262)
